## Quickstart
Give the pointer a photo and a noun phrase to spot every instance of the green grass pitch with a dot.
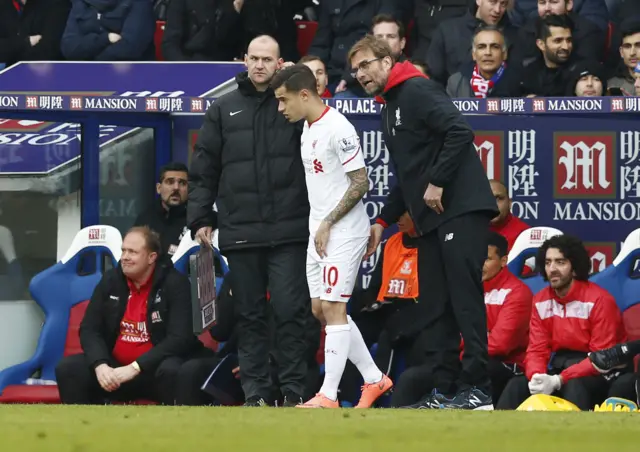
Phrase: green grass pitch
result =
(154, 429)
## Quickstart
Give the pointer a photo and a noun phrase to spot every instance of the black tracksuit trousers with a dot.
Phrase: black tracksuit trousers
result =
(282, 271)
(450, 260)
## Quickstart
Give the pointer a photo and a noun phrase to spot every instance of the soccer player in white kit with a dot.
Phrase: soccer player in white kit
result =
(339, 229)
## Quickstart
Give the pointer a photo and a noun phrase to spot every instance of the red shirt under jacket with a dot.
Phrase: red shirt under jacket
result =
(587, 319)
(134, 339)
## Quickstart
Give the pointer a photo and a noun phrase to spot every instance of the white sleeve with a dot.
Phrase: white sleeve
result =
(347, 145)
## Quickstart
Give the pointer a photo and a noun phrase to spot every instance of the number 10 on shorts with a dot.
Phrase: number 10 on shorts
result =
(329, 277)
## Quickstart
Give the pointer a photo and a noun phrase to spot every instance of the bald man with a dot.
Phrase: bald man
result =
(505, 223)
(247, 160)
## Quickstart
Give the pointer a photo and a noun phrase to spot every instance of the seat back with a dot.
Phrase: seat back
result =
(306, 32)
(622, 280)
(157, 39)
(524, 249)
(63, 291)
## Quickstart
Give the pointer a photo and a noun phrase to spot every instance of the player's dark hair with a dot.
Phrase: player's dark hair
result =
(501, 244)
(389, 19)
(295, 78)
(151, 238)
(173, 166)
(309, 59)
(544, 24)
(629, 27)
(572, 249)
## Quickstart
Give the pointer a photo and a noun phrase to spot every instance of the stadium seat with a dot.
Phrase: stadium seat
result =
(180, 258)
(62, 292)
(306, 32)
(525, 247)
(623, 282)
(157, 39)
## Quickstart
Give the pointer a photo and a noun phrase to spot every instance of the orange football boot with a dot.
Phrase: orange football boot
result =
(373, 391)
(320, 401)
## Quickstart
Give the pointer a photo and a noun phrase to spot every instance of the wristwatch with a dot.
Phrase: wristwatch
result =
(135, 365)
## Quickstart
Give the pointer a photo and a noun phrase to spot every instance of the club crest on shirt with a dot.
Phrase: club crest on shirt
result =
(398, 120)
(158, 298)
(406, 267)
(155, 317)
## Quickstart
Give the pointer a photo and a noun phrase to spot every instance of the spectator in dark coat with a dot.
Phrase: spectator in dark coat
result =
(594, 10)
(451, 44)
(109, 30)
(587, 79)
(489, 75)
(200, 30)
(589, 41)
(629, 50)
(340, 25)
(31, 30)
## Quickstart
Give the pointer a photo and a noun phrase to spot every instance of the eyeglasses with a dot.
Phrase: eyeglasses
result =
(363, 66)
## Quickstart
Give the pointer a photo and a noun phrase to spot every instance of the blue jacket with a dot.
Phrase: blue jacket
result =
(594, 10)
(86, 36)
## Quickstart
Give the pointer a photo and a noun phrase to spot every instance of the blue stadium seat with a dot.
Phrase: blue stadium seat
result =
(524, 249)
(63, 292)
(622, 280)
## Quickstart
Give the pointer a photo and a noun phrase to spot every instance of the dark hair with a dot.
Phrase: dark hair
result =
(544, 24)
(420, 63)
(389, 19)
(378, 47)
(572, 249)
(173, 166)
(485, 27)
(309, 59)
(151, 238)
(295, 78)
(501, 244)
(630, 26)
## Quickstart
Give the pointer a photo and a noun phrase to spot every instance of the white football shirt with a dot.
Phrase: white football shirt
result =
(330, 150)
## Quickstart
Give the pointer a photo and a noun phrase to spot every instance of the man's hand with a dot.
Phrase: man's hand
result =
(287, 64)
(236, 372)
(342, 86)
(107, 377)
(33, 40)
(203, 235)
(322, 239)
(375, 237)
(433, 198)
(114, 37)
(545, 384)
(125, 373)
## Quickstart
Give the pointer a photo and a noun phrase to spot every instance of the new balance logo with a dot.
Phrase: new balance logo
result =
(448, 237)
(317, 166)
(233, 113)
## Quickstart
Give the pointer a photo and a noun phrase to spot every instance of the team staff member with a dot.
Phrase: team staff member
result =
(168, 216)
(570, 318)
(136, 332)
(505, 224)
(432, 148)
(247, 160)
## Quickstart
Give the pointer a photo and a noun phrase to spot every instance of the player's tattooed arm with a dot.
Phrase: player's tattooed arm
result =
(358, 187)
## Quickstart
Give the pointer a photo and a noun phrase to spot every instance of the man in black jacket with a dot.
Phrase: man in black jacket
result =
(136, 331)
(168, 216)
(247, 160)
(32, 30)
(431, 146)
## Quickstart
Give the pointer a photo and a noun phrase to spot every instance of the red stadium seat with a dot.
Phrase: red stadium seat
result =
(157, 39)
(306, 32)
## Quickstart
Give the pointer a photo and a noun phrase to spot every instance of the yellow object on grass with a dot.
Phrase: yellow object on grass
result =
(543, 402)
(613, 404)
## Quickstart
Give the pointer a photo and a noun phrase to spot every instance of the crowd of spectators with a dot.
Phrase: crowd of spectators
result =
(475, 48)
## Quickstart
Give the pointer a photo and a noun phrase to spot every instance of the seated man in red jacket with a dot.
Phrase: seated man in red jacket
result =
(505, 224)
(136, 332)
(569, 319)
(508, 303)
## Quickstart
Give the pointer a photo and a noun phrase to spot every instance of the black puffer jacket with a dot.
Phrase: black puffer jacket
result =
(247, 160)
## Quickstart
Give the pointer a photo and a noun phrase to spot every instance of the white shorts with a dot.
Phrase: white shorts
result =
(332, 278)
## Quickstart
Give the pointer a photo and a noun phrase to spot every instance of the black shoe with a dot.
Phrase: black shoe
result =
(255, 402)
(468, 399)
(291, 400)
(429, 402)
(616, 357)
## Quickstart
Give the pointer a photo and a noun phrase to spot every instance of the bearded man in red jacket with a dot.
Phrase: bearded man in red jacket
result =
(570, 318)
